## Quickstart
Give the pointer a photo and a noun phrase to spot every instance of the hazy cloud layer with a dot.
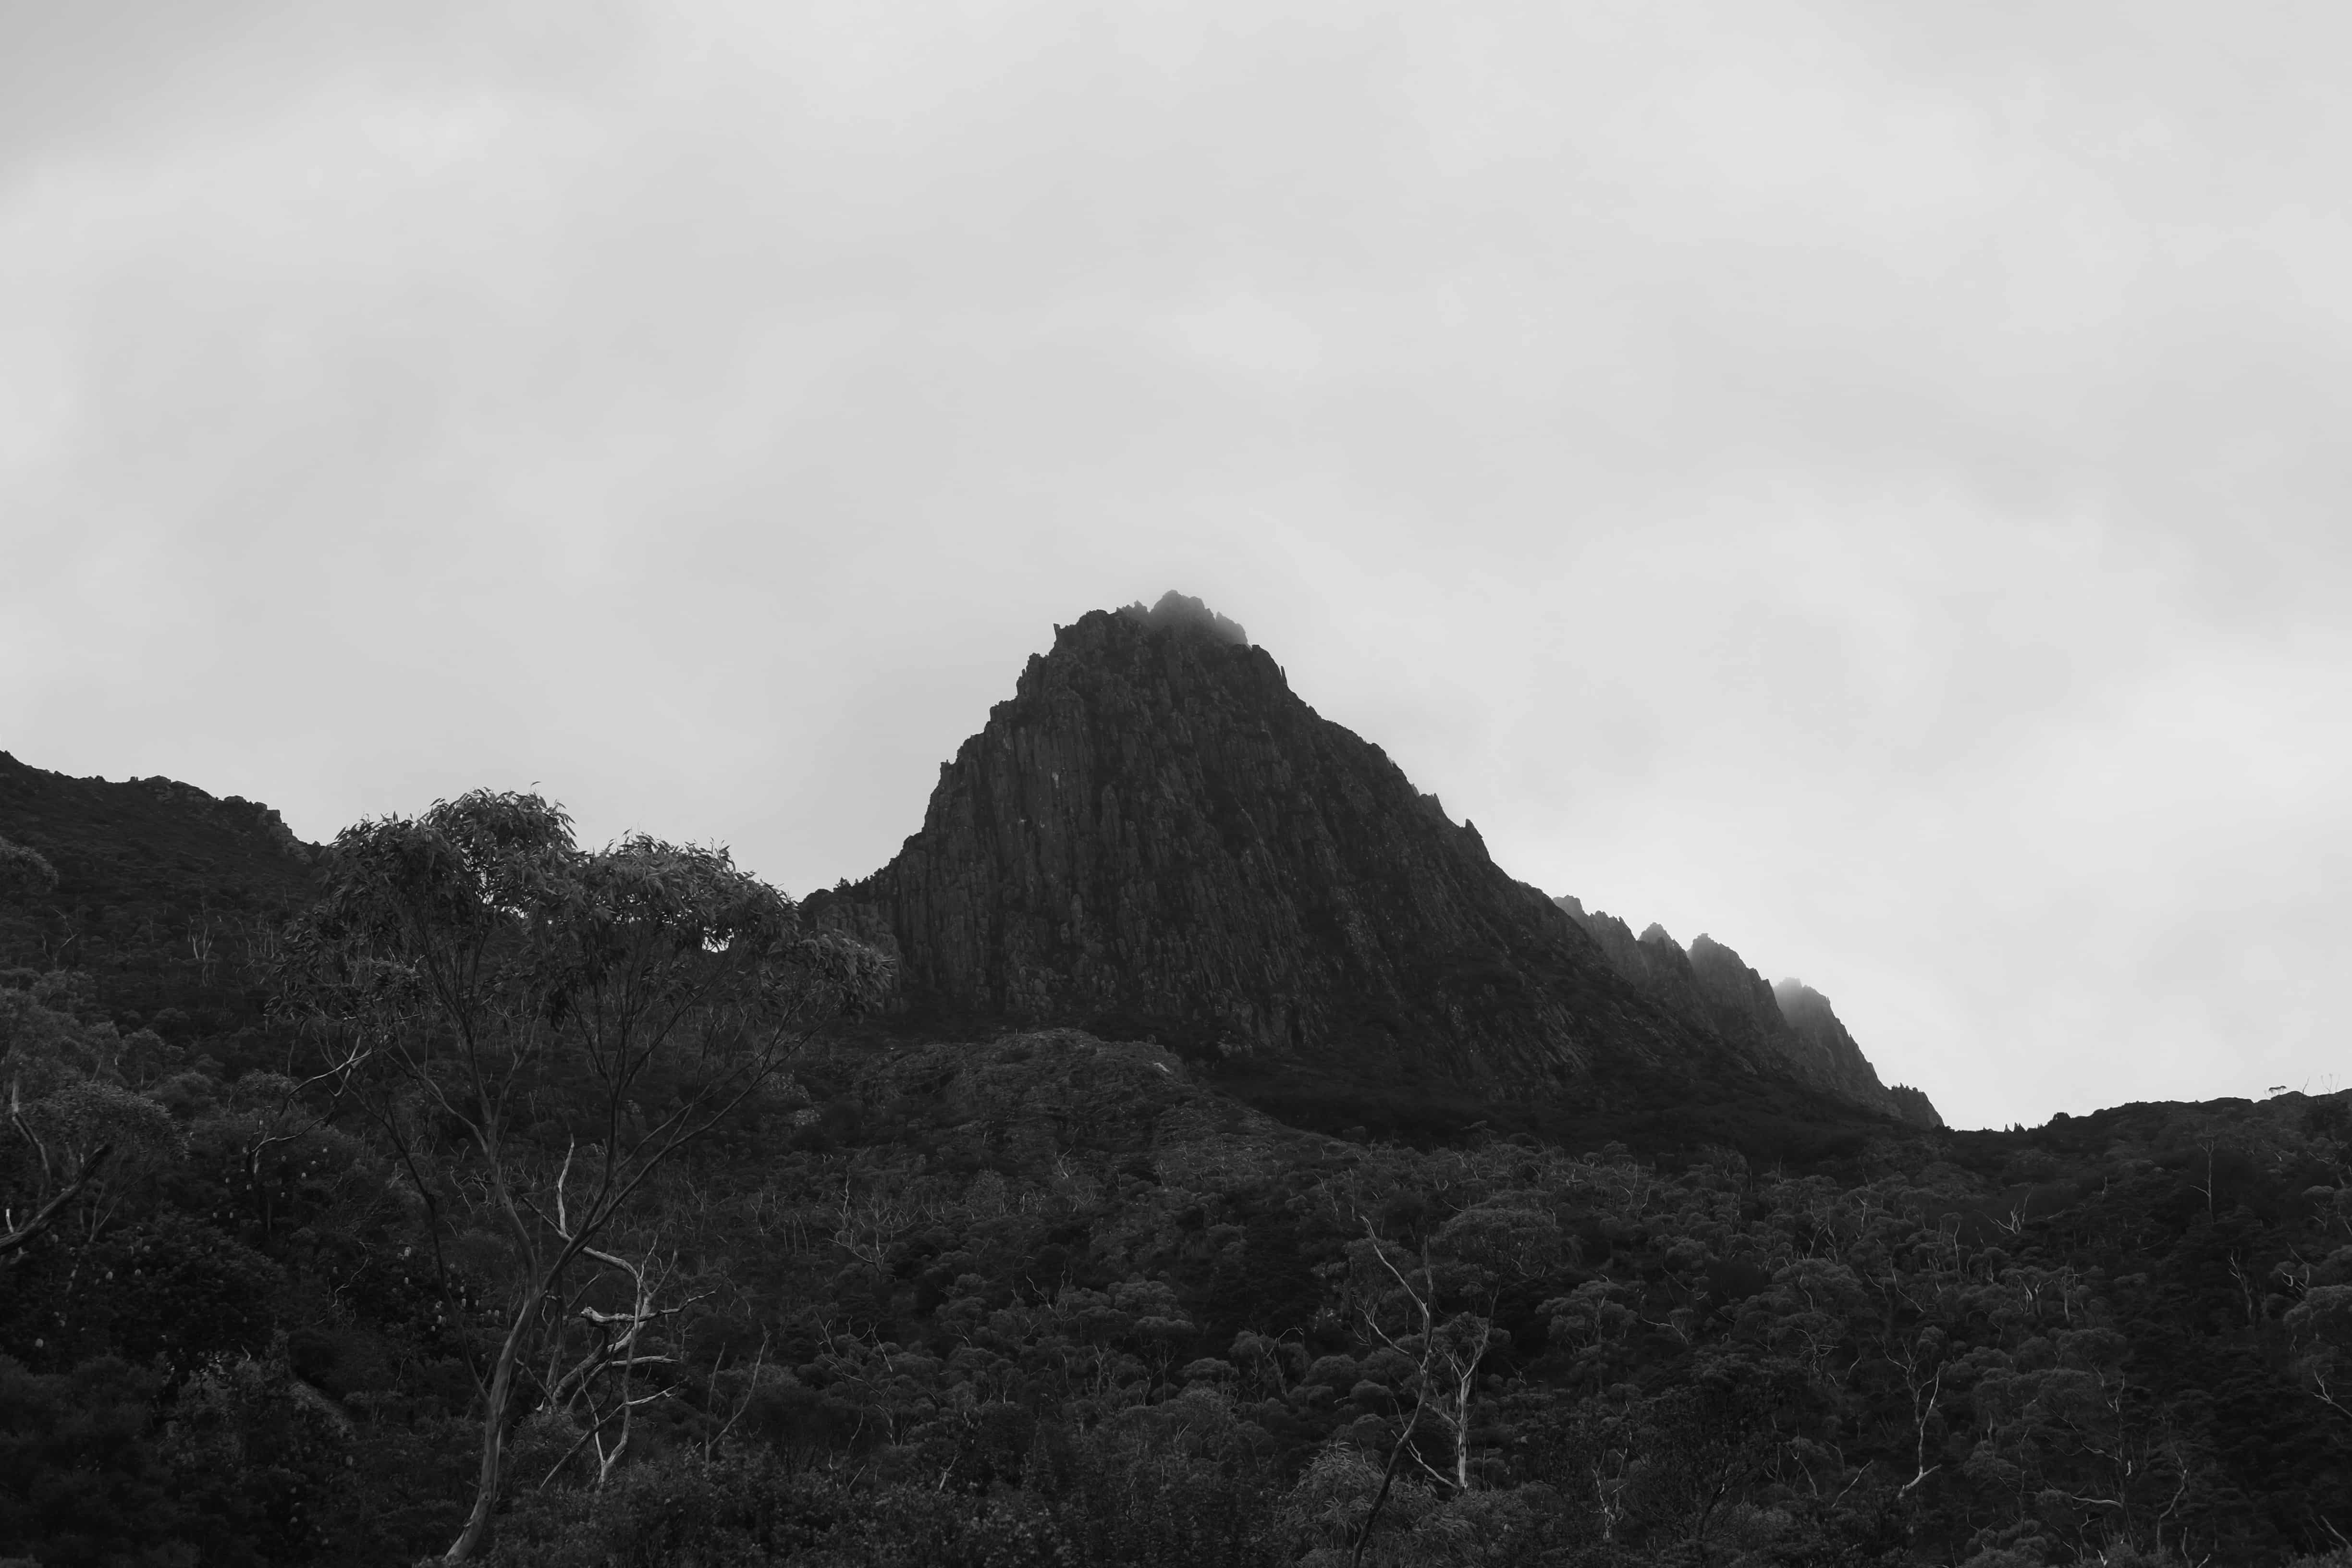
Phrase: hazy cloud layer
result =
(1865, 483)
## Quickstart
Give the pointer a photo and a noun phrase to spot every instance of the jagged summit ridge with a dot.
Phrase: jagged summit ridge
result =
(1789, 1023)
(1175, 611)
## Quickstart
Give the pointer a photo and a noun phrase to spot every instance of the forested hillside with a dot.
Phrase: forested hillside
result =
(462, 1190)
(1043, 1299)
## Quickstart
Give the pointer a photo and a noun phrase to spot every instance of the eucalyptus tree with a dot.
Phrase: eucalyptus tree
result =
(536, 1029)
(25, 872)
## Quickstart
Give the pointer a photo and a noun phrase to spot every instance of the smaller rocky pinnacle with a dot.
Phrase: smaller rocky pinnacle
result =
(1182, 610)
(1790, 1024)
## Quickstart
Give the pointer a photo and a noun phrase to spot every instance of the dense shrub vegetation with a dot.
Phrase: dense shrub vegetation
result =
(1044, 1298)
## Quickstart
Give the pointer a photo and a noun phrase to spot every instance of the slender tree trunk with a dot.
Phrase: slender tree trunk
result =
(494, 1432)
(1388, 1480)
(1462, 1426)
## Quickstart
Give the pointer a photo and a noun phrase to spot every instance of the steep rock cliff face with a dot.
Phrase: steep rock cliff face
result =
(1156, 836)
(1741, 1005)
(1790, 1024)
(1653, 962)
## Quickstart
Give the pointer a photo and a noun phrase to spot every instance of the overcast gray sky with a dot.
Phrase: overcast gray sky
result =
(1864, 482)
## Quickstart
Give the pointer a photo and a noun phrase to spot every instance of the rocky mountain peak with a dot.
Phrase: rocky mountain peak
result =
(1154, 837)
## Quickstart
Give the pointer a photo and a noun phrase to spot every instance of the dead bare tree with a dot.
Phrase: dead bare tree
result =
(1445, 1349)
(600, 1389)
(1923, 1379)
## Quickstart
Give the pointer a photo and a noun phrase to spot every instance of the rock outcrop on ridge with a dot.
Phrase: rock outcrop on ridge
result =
(1790, 1024)
(156, 879)
(115, 840)
(1156, 838)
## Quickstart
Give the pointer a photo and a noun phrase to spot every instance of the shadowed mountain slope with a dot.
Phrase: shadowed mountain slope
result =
(1156, 836)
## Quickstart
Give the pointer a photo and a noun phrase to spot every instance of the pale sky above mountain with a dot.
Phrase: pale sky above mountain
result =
(1864, 482)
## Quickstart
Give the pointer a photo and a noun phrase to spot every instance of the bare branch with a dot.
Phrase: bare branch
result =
(43, 1216)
